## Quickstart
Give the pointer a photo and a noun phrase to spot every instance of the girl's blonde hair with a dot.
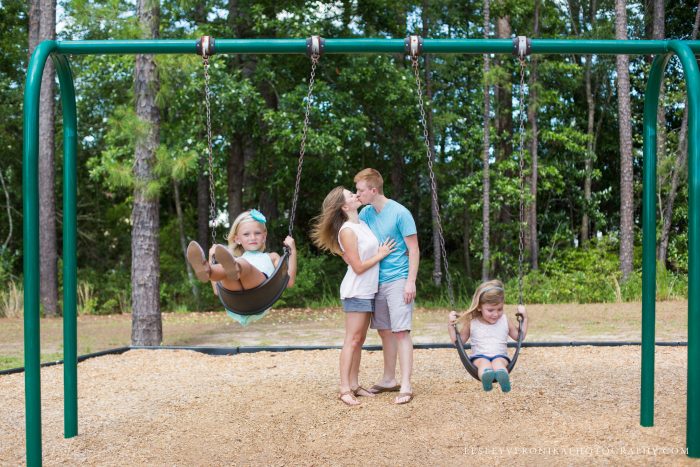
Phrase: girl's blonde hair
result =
(488, 293)
(327, 224)
(243, 217)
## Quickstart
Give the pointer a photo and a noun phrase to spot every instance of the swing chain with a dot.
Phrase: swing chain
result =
(433, 187)
(212, 194)
(521, 174)
(302, 149)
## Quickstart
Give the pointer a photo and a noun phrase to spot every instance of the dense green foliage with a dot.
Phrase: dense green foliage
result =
(364, 113)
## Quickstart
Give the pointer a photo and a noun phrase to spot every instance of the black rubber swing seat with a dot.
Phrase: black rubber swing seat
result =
(258, 299)
(469, 365)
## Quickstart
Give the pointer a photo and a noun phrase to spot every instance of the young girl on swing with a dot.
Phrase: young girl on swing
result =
(488, 329)
(243, 264)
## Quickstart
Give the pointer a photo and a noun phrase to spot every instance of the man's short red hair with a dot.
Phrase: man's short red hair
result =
(373, 179)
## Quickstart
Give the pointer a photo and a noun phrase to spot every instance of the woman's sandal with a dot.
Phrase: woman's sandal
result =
(351, 395)
(359, 391)
(199, 263)
(228, 262)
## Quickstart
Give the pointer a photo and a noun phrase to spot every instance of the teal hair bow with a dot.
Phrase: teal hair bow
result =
(258, 216)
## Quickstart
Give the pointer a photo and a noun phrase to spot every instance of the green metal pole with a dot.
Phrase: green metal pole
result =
(70, 229)
(358, 46)
(651, 103)
(30, 195)
(692, 84)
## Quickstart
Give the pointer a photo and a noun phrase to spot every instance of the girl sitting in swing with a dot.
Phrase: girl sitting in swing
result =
(243, 264)
(488, 329)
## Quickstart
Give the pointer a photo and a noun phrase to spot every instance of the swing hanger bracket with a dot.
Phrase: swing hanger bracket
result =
(315, 45)
(522, 47)
(205, 46)
(413, 46)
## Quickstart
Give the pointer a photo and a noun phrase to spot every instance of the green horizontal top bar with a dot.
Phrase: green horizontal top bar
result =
(356, 46)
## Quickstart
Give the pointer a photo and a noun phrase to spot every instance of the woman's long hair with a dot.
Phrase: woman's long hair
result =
(488, 293)
(327, 224)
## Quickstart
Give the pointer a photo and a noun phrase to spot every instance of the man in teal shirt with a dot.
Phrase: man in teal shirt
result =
(393, 311)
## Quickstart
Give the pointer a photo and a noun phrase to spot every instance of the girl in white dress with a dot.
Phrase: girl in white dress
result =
(243, 264)
(489, 330)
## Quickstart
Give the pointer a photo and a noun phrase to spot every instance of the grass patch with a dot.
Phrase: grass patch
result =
(10, 361)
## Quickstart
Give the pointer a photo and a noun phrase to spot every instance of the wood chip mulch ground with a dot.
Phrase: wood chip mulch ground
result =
(568, 406)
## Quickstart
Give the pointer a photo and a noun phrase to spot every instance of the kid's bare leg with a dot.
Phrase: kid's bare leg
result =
(249, 277)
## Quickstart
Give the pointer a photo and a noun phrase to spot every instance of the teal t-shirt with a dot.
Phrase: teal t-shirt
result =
(396, 222)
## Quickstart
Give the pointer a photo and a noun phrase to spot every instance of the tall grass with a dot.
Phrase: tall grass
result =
(87, 300)
(12, 301)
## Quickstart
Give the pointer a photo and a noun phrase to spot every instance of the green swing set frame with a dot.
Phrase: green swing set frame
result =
(59, 51)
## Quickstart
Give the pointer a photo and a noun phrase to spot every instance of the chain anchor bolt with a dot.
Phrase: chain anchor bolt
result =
(413, 46)
(315, 45)
(522, 47)
(205, 46)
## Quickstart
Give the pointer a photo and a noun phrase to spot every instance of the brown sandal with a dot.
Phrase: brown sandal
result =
(352, 395)
(377, 389)
(359, 391)
(199, 263)
(228, 262)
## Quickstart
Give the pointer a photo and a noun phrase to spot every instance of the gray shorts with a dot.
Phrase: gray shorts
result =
(361, 305)
(390, 311)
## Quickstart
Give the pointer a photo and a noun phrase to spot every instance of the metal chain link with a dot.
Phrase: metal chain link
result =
(433, 188)
(521, 166)
(302, 149)
(212, 193)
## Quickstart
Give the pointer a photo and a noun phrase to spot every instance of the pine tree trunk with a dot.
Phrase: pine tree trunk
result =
(397, 164)
(679, 168)
(235, 165)
(624, 121)
(534, 245)
(659, 33)
(437, 251)
(234, 172)
(504, 105)
(203, 203)
(504, 142)
(485, 156)
(588, 163)
(146, 326)
(43, 27)
(8, 207)
(466, 223)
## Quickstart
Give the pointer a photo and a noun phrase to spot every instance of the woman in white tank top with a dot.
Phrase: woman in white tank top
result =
(338, 229)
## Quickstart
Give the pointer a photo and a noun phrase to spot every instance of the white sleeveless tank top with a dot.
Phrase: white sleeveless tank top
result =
(260, 260)
(489, 339)
(366, 284)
